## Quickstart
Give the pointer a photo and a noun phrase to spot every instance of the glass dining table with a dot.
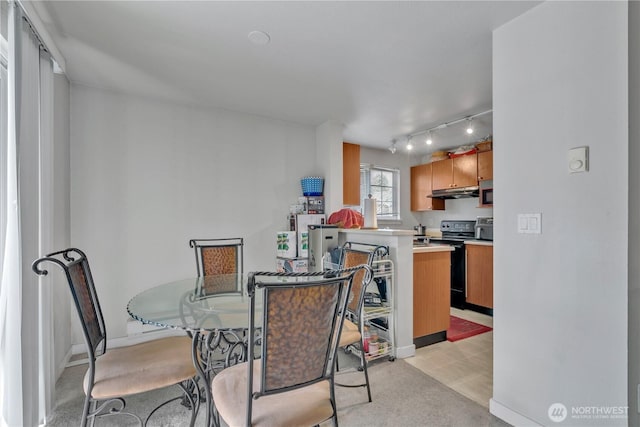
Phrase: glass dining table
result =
(213, 310)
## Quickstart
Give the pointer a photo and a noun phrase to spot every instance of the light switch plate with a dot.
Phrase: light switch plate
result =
(578, 159)
(530, 223)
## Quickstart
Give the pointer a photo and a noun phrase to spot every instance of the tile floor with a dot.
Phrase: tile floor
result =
(465, 366)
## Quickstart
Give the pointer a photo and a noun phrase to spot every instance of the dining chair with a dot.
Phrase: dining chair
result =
(297, 318)
(220, 265)
(352, 336)
(116, 373)
(218, 256)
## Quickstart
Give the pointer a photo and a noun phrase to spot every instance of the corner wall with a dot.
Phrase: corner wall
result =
(560, 81)
(61, 226)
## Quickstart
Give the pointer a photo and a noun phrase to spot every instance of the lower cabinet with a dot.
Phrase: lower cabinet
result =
(480, 275)
(431, 293)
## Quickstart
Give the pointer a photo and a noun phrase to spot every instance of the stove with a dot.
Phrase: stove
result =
(454, 233)
(458, 229)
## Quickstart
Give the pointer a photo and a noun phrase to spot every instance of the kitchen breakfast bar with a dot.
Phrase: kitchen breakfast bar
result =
(401, 253)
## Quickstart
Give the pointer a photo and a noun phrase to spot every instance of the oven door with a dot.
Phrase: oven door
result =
(458, 274)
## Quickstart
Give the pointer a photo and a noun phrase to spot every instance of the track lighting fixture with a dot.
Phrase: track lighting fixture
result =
(470, 127)
(392, 148)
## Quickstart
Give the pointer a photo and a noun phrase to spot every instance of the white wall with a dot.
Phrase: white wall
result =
(462, 209)
(634, 208)
(328, 157)
(148, 176)
(61, 220)
(560, 81)
(402, 162)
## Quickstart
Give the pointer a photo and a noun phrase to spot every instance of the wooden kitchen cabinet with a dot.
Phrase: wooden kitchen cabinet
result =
(421, 188)
(431, 292)
(350, 174)
(485, 165)
(480, 275)
(457, 172)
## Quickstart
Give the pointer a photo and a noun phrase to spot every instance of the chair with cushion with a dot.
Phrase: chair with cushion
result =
(354, 254)
(297, 318)
(116, 373)
(220, 264)
(218, 256)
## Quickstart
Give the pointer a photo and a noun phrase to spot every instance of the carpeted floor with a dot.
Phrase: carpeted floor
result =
(402, 396)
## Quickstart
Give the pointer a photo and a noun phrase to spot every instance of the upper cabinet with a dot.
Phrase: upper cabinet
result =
(421, 189)
(485, 165)
(457, 172)
(350, 174)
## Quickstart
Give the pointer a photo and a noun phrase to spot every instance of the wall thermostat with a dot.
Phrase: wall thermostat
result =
(579, 159)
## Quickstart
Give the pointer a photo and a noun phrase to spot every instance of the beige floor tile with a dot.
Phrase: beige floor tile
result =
(476, 387)
(465, 366)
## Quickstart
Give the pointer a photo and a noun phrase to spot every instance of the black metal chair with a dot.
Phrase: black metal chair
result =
(298, 332)
(218, 256)
(220, 265)
(123, 371)
(354, 254)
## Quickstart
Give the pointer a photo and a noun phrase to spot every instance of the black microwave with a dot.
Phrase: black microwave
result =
(486, 193)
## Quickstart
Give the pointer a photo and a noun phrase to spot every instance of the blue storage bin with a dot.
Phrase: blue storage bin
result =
(312, 186)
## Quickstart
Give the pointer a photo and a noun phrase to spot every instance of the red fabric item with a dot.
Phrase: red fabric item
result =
(460, 329)
(346, 218)
(466, 153)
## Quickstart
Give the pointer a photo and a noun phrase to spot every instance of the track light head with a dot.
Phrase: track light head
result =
(392, 148)
(470, 127)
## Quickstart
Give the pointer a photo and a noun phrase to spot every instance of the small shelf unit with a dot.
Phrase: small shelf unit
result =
(378, 317)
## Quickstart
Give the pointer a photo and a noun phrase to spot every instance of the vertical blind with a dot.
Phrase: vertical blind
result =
(25, 306)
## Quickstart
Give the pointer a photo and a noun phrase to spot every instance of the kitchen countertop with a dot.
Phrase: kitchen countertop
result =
(378, 231)
(479, 242)
(418, 249)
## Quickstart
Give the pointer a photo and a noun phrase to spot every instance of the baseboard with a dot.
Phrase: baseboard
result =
(430, 339)
(63, 364)
(509, 416)
(133, 338)
(405, 351)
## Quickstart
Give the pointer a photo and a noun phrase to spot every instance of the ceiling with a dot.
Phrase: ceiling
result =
(385, 69)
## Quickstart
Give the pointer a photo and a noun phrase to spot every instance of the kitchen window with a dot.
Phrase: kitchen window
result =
(384, 185)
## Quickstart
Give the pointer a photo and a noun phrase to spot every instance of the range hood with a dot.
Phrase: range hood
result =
(455, 193)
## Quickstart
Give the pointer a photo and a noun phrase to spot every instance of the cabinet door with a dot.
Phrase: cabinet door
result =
(465, 171)
(421, 188)
(431, 292)
(480, 275)
(350, 174)
(442, 174)
(485, 165)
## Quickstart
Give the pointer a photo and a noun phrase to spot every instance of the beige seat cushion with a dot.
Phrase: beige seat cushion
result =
(142, 367)
(305, 406)
(350, 333)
